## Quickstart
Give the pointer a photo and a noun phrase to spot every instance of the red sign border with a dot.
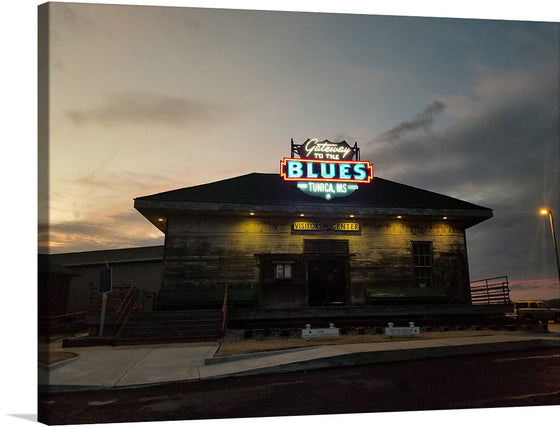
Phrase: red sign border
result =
(369, 166)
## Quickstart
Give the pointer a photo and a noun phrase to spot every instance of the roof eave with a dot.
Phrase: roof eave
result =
(152, 209)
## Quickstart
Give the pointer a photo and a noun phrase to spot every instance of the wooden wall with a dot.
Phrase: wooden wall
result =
(383, 257)
(209, 251)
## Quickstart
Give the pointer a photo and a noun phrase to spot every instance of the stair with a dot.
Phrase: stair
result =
(171, 326)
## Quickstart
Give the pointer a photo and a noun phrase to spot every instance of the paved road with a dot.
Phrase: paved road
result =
(497, 380)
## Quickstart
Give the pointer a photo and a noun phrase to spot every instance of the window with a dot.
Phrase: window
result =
(282, 271)
(280, 267)
(422, 254)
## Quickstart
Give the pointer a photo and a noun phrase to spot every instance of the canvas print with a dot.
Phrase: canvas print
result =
(249, 214)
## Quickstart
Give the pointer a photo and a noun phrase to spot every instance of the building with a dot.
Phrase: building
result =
(139, 267)
(54, 282)
(283, 248)
(321, 241)
(55, 315)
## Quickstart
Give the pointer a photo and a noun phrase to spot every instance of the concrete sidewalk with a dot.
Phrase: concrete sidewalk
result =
(135, 366)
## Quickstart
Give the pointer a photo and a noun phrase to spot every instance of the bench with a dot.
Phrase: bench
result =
(205, 298)
(379, 295)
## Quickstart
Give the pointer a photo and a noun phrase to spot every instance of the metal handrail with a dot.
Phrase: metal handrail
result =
(491, 292)
(63, 316)
(490, 278)
(126, 310)
(127, 305)
(126, 300)
(49, 323)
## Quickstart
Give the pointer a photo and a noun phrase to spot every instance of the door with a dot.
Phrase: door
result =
(326, 280)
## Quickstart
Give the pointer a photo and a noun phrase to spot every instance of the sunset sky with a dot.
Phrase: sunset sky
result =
(149, 99)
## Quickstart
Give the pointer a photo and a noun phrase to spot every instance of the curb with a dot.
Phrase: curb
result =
(388, 356)
(234, 358)
(57, 364)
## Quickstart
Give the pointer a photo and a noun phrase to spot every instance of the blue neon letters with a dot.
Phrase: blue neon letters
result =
(316, 170)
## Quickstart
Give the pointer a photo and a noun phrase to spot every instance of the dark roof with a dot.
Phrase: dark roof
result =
(109, 256)
(270, 193)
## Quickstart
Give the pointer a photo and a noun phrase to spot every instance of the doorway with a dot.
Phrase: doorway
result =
(326, 279)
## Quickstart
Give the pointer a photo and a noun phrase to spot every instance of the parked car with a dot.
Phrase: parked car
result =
(535, 311)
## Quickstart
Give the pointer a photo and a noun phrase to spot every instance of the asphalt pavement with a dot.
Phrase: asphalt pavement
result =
(137, 366)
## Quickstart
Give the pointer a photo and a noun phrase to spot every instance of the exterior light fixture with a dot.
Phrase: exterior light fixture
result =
(161, 219)
(444, 217)
(351, 216)
(301, 214)
(549, 213)
(399, 216)
(252, 213)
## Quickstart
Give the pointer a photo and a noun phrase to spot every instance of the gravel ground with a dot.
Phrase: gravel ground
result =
(254, 345)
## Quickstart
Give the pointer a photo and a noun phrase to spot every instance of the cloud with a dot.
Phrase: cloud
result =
(122, 229)
(424, 121)
(120, 182)
(534, 289)
(149, 109)
(504, 140)
(99, 194)
(66, 18)
(500, 152)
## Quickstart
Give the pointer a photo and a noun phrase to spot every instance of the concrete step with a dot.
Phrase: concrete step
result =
(157, 332)
(176, 338)
(175, 325)
(165, 322)
(171, 326)
(185, 314)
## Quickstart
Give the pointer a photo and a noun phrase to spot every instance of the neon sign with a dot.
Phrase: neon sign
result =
(321, 170)
(328, 190)
(326, 169)
(313, 149)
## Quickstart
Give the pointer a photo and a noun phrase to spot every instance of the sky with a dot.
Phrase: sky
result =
(145, 99)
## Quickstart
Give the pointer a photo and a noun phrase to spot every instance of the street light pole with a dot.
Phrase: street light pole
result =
(549, 212)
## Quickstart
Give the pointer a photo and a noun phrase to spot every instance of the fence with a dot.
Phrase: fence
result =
(490, 291)
(63, 324)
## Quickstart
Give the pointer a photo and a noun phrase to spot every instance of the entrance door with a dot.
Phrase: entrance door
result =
(326, 282)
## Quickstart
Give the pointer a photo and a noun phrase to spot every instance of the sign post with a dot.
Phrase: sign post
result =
(105, 286)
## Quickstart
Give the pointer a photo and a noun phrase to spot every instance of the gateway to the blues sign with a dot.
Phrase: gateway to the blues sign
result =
(326, 169)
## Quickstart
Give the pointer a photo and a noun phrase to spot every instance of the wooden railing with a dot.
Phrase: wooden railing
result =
(72, 322)
(127, 304)
(124, 310)
(224, 309)
(494, 290)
